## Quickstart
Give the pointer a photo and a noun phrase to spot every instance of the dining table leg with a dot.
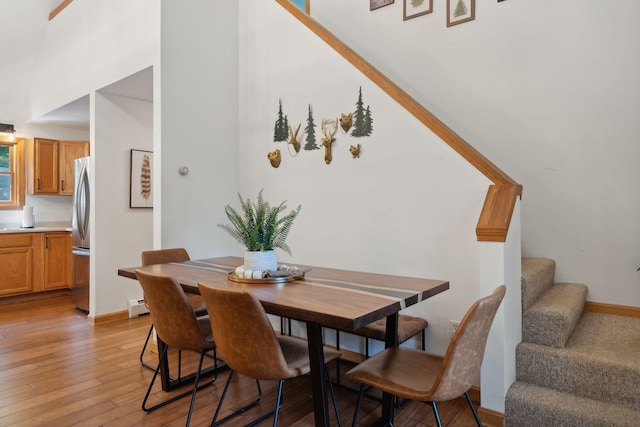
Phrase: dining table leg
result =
(164, 368)
(316, 360)
(391, 340)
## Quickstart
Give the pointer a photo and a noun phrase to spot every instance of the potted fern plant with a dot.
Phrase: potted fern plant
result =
(261, 229)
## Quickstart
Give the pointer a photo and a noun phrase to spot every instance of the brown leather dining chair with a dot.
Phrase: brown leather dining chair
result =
(178, 327)
(163, 256)
(248, 344)
(417, 375)
(408, 327)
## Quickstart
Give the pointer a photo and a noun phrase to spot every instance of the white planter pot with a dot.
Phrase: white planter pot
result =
(260, 260)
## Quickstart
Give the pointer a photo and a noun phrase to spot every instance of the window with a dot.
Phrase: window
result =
(11, 173)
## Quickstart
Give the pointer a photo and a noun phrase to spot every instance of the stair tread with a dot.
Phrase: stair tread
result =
(607, 336)
(601, 359)
(553, 317)
(537, 277)
(528, 405)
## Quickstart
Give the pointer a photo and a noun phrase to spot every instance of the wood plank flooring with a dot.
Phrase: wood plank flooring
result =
(57, 370)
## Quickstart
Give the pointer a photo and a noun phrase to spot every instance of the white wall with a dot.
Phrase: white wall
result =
(199, 128)
(549, 92)
(118, 232)
(409, 205)
(88, 47)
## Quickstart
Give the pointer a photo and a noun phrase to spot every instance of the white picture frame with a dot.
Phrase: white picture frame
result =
(141, 179)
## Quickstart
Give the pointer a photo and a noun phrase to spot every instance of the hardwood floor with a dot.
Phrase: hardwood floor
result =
(57, 370)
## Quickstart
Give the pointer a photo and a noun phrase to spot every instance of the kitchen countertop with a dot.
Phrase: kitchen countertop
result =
(9, 230)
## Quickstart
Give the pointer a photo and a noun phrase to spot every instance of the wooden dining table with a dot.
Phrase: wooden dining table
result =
(338, 299)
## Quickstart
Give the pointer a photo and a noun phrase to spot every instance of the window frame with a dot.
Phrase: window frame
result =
(16, 171)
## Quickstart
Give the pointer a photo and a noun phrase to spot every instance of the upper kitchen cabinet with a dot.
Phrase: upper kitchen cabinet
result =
(51, 165)
(68, 151)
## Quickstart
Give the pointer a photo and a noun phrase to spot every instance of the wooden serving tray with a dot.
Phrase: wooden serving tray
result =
(266, 280)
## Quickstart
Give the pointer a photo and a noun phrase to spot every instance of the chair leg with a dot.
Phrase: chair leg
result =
(473, 408)
(195, 388)
(273, 413)
(333, 395)
(278, 403)
(180, 396)
(215, 423)
(338, 359)
(355, 415)
(435, 413)
(144, 347)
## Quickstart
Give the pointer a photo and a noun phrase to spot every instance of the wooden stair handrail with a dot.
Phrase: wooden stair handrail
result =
(59, 8)
(495, 217)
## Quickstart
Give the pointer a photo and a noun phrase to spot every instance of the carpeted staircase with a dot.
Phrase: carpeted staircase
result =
(573, 368)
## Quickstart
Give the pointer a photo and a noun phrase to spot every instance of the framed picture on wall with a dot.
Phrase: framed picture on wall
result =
(415, 8)
(459, 11)
(141, 187)
(376, 4)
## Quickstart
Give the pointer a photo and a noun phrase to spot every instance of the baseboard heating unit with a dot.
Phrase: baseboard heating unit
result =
(136, 307)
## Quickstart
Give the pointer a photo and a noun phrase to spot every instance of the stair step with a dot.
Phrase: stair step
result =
(552, 318)
(537, 276)
(530, 405)
(600, 361)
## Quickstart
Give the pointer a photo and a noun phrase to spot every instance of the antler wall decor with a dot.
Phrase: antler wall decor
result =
(293, 137)
(329, 129)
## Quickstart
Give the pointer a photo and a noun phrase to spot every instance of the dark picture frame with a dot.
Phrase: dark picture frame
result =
(414, 8)
(141, 179)
(377, 4)
(460, 11)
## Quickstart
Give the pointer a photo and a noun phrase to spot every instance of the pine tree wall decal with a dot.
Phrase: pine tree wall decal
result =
(358, 117)
(145, 178)
(310, 130)
(281, 129)
(368, 122)
(359, 121)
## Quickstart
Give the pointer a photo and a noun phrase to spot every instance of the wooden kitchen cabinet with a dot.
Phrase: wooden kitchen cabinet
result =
(51, 165)
(34, 262)
(16, 259)
(57, 261)
(42, 173)
(68, 151)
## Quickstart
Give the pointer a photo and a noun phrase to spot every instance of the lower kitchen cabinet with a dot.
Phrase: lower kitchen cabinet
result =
(34, 262)
(16, 259)
(57, 261)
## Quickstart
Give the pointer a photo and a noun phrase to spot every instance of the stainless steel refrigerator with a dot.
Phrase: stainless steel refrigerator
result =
(80, 234)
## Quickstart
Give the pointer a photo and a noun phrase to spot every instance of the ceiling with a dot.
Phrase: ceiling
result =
(23, 29)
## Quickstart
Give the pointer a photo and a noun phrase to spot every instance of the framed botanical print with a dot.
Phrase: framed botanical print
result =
(459, 11)
(376, 4)
(415, 8)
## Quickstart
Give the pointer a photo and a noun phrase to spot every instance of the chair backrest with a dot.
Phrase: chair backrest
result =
(171, 312)
(163, 256)
(244, 336)
(463, 359)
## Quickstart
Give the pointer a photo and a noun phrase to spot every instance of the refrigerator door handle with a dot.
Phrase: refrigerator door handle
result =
(82, 207)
